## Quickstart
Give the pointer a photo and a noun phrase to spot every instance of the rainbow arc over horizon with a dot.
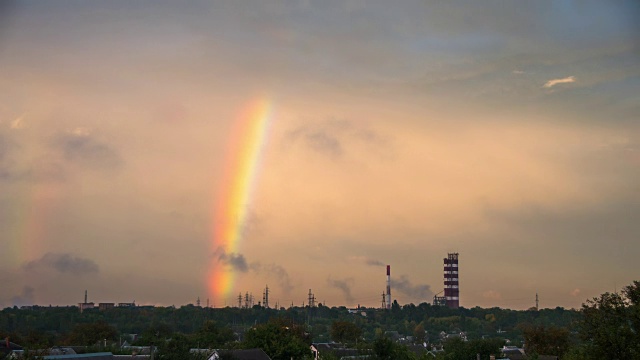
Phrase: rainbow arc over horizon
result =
(246, 149)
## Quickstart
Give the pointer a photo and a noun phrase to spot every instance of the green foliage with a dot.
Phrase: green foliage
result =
(213, 336)
(419, 334)
(385, 349)
(92, 334)
(280, 339)
(456, 348)
(345, 332)
(546, 340)
(610, 324)
(176, 348)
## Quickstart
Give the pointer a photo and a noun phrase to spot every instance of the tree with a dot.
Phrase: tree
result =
(213, 336)
(610, 324)
(419, 335)
(92, 333)
(546, 340)
(385, 349)
(456, 348)
(280, 339)
(344, 331)
(176, 348)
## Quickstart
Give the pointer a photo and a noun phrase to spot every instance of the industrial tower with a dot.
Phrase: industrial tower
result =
(451, 281)
(388, 287)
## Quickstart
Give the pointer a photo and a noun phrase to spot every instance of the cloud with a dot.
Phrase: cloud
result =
(554, 82)
(235, 261)
(367, 261)
(333, 138)
(238, 262)
(374, 262)
(492, 295)
(344, 286)
(277, 271)
(518, 72)
(575, 292)
(18, 123)
(319, 140)
(79, 147)
(404, 286)
(63, 263)
(27, 297)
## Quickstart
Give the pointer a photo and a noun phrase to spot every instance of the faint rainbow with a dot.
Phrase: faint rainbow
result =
(236, 193)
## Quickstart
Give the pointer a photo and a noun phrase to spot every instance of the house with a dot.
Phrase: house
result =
(90, 356)
(246, 354)
(516, 353)
(7, 347)
(62, 354)
(338, 350)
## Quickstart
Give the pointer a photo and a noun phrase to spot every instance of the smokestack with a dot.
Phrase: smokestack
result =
(388, 287)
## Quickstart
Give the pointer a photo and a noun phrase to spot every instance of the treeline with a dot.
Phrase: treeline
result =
(56, 324)
(604, 326)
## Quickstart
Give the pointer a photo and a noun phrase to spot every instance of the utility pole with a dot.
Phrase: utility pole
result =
(312, 299)
(265, 297)
(384, 303)
(537, 301)
(198, 302)
(239, 300)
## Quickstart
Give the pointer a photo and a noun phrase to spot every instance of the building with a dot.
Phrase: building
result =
(106, 306)
(86, 305)
(451, 281)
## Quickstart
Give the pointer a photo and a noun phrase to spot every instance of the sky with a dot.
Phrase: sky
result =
(508, 132)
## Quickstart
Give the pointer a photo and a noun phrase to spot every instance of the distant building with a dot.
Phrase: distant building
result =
(106, 306)
(247, 354)
(338, 350)
(86, 305)
(439, 301)
(131, 304)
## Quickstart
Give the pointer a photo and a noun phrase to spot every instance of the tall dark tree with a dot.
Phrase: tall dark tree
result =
(610, 324)
(385, 349)
(92, 334)
(345, 332)
(280, 339)
(213, 336)
(543, 340)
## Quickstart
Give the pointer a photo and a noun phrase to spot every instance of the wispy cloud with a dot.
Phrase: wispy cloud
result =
(18, 123)
(235, 261)
(277, 272)
(492, 295)
(575, 292)
(367, 261)
(79, 147)
(344, 286)
(27, 297)
(554, 82)
(238, 262)
(64, 263)
(404, 286)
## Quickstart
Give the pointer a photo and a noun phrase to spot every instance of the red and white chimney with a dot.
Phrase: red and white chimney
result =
(388, 287)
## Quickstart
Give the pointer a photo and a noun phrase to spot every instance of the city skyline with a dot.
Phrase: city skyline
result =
(159, 152)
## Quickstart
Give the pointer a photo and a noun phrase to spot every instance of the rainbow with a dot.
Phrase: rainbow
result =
(243, 167)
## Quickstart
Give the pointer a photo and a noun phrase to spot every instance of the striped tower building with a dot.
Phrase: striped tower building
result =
(451, 281)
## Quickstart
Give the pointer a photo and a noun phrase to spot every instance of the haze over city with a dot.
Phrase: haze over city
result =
(508, 132)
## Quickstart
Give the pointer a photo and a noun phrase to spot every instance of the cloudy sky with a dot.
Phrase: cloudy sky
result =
(508, 132)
